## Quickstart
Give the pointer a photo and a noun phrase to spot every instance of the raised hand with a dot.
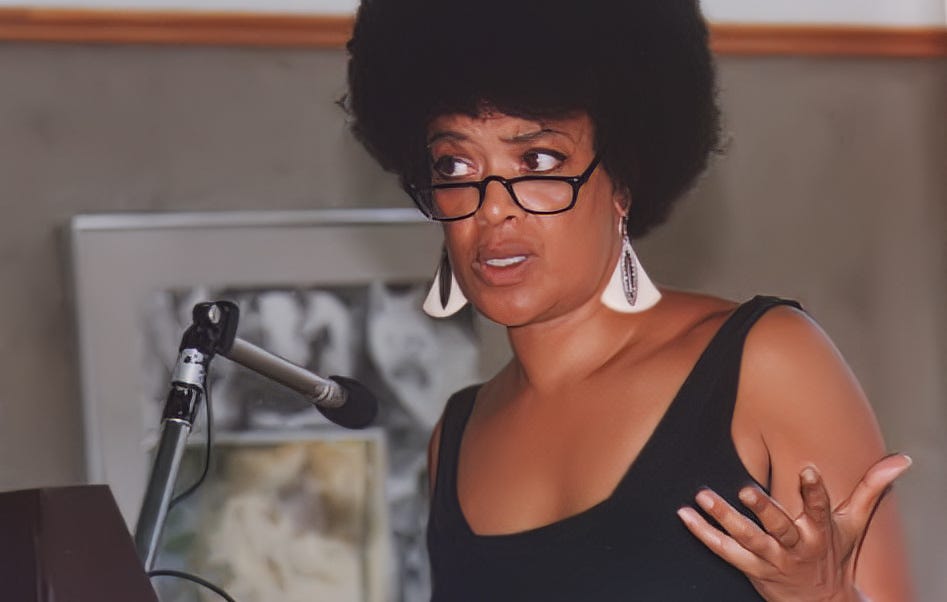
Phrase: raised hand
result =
(807, 558)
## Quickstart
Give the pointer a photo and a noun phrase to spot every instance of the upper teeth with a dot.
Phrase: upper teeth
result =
(505, 261)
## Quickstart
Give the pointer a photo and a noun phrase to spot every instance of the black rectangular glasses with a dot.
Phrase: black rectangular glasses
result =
(543, 195)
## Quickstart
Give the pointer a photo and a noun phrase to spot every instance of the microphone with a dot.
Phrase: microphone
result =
(344, 401)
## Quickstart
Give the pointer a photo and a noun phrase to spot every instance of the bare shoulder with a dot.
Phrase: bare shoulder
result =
(785, 336)
(690, 319)
(797, 389)
(691, 303)
(787, 355)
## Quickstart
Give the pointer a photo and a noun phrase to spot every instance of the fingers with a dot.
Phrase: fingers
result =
(775, 520)
(785, 545)
(815, 497)
(868, 492)
(852, 516)
(722, 545)
(741, 529)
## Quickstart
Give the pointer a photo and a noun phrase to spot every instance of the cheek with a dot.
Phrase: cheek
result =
(595, 227)
(460, 239)
(575, 250)
(583, 251)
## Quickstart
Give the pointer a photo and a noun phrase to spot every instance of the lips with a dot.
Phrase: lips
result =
(503, 264)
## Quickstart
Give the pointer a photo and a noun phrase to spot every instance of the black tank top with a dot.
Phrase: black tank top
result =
(632, 546)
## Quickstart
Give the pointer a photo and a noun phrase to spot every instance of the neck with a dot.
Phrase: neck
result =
(566, 350)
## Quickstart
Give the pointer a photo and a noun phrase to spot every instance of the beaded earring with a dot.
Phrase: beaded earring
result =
(629, 290)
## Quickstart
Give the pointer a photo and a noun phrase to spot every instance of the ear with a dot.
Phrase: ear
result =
(621, 199)
(622, 207)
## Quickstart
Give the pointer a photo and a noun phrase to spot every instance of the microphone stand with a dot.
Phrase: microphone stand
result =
(213, 330)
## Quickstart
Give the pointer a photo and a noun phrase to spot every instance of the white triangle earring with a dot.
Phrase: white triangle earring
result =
(445, 297)
(629, 290)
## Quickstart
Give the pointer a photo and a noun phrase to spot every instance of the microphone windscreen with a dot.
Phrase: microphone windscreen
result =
(358, 411)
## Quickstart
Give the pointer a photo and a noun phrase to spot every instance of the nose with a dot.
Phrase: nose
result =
(498, 204)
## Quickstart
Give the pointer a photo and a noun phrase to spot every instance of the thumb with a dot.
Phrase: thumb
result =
(860, 505)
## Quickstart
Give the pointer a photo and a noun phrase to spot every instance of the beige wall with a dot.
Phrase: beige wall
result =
(833, 192)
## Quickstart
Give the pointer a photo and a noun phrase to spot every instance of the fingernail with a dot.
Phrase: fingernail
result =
(687, 515)
(705, 499)
(749, 497)
(903, 455)
(809, 476)
(904, 467)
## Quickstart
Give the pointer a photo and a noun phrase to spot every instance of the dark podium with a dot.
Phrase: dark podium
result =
(68, 544)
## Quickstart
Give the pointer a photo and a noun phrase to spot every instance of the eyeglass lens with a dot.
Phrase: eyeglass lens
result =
(540, 196)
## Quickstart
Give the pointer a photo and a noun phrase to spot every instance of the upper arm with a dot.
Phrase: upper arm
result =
(807, 405)
(810, 410)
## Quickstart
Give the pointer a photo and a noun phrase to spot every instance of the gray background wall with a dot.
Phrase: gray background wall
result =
(832, 191)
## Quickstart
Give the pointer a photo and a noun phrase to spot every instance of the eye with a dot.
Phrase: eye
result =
(542, 160)
(450, 166)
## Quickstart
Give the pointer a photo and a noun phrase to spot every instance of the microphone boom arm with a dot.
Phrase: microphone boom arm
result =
(323, 392)
(342, 400)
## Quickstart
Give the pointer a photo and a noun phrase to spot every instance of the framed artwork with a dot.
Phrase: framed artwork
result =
(322, 512)
(285, 516)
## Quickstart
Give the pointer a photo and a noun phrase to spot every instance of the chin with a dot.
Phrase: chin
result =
(510, 309)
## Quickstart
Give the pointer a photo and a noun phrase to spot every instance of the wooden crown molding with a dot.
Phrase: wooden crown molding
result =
(828, 40)
(240, 29)
(174, 27)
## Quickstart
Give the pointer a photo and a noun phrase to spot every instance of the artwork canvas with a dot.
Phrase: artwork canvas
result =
(335, 291)
(294, 520)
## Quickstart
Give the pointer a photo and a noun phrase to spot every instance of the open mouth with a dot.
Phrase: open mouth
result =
(503, 262)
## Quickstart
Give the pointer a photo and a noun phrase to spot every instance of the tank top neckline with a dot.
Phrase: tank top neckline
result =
(574, 525)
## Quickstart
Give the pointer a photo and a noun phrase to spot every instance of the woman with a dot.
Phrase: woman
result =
(642, 444)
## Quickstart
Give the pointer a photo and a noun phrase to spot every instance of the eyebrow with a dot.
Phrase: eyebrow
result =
(445, 135)
(535, 135)
(517, 139)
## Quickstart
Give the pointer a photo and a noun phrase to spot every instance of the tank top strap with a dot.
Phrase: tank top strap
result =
(733, 333)
(456, 413)
(716, 376)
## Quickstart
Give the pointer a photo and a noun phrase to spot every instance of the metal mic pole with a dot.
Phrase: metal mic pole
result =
(214, 326)
(180, 410)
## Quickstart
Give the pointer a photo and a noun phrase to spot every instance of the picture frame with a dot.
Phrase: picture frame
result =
(120, 262)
